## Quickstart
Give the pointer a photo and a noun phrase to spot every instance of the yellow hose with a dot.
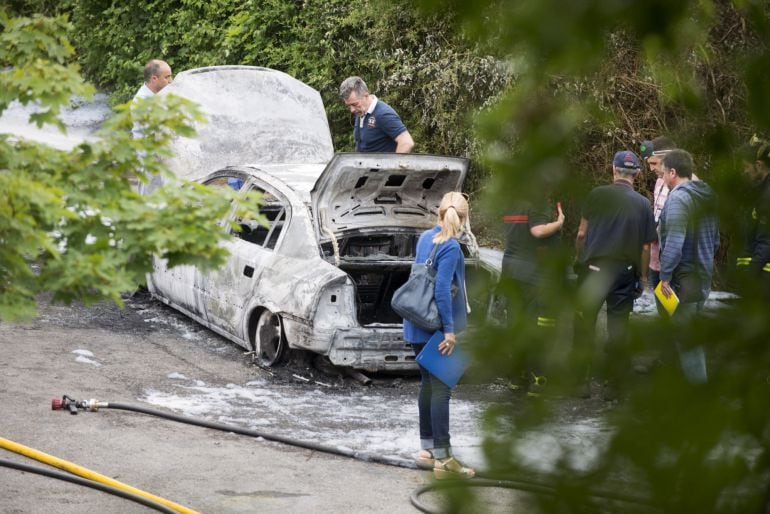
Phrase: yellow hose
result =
(87, 473)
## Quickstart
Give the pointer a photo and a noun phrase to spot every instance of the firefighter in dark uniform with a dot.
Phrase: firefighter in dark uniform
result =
(755, 258)
(531, 232)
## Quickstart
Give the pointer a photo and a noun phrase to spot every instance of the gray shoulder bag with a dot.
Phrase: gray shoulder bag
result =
(415, 300)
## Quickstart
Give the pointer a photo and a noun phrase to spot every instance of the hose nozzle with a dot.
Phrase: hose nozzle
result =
(73, 405)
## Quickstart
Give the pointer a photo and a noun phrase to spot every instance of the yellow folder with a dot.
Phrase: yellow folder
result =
(670, 303)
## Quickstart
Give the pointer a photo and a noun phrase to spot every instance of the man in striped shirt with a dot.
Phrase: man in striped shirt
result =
(689, 238)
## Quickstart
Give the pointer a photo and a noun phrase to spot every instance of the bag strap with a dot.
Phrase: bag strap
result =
(432, 255)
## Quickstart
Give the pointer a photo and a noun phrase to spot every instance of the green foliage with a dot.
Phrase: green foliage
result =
(24, 8)
(40, 54)
(70, 222)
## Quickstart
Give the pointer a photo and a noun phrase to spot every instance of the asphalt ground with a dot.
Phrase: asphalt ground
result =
(202, 469)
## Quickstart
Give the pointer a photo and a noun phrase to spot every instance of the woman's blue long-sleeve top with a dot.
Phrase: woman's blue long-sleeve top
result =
(450, 268)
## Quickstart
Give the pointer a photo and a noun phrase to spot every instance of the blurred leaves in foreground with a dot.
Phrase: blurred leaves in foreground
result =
(71, 222)
(593, 77)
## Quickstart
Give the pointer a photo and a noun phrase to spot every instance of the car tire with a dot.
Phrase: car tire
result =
(269, 341)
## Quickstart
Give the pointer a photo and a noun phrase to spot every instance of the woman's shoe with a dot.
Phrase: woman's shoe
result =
(426, 457)
(451, 468)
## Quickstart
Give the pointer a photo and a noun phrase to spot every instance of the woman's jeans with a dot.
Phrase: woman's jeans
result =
(433, 406)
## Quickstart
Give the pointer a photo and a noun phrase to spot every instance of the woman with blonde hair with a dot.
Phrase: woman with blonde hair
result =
(433, 400)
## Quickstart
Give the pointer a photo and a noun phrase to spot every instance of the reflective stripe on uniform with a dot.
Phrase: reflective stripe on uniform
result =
(743, 261)
(516, 218)
(746, 261)
(543, 321)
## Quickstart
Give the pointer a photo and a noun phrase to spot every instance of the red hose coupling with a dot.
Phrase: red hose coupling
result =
(57, 404)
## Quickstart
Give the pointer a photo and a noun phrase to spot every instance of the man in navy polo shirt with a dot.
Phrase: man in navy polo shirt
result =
(377, 126)
(613, 247)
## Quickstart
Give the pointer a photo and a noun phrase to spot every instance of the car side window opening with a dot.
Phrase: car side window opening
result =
(235, 183)
(226, 181)
(266, 236)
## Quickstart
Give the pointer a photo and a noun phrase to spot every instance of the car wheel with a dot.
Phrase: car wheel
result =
(269, 343)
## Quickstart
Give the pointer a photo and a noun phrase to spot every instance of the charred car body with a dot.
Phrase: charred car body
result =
(340, 237)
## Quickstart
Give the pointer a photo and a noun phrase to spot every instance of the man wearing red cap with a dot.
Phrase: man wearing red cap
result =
(613, 248)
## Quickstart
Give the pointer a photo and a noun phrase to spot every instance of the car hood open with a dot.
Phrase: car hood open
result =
(253, 115)
(370, 191)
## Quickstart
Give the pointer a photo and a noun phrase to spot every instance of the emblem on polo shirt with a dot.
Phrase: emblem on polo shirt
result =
(371, 122)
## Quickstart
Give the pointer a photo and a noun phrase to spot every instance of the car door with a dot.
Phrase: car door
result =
(226, 292)
(175, 286)
(179, 286)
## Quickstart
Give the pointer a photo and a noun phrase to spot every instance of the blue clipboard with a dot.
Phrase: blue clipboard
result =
(447, 368)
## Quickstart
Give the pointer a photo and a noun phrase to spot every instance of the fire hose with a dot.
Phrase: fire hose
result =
(94, 405)
(66, 477)
(89, 478)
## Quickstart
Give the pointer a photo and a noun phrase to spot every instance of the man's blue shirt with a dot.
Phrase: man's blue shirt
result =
(379, 131)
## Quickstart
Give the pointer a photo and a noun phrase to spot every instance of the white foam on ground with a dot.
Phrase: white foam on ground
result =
(182, 328)
(85, 357)
(368, 422)
(580, 444)
(86, 360)
(645, 304)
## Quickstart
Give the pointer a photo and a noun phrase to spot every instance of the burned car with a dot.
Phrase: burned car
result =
(340, 239)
